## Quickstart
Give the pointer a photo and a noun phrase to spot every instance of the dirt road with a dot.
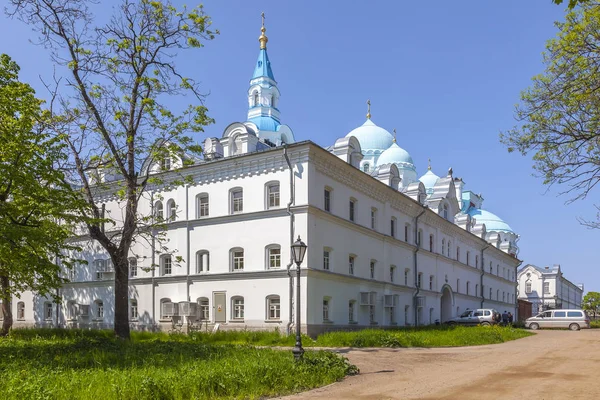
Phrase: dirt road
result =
(549, 365)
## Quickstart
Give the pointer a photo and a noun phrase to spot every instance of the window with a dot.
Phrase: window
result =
(327, 200)
(503, 296)
(165, 163)
(373, 218)
(237, 200)
(445, 211)
(204, 310)
(172, 210)
(457, 253)
(490, 267)
(167, 309)
(468, 256)
(237, 307)
(560, 314)
(431, 278)
(448, 253)
(546, 287)
(468, 284)
(133, 267)
(202, 205)
(574, 314)
(431, 243)
(419, 279)
(326, 256)
(431, 316)
(392, 273)
(393, 227)
(372, 318)
(498, 294)
(490, 293)
(443, 245)
(273, 100)
(102, 266)
(48, 311)
(351, 207)
(273, 195)
(99, 309)
(406, 229)
(274, 257)
(273, 308)
(71, 310)
(406, 272)
(366, 167)
(458, 286)
(202, 261)
(237, 259)
(476, 261)
(20, 311)
(166, 265)
(498, 269)
(158, 211)
(527, 287)
(326, 301)
(476, 289)
(372, 269)
(351, 265)
(406, 309)
(351, 306)
(133, 309)
(419, 238)
(255, 99)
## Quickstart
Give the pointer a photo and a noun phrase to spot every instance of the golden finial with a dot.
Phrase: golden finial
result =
(429, 164)
(263, 38)
(394, 135)
(368, 109)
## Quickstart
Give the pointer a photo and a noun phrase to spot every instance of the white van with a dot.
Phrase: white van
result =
(572, 319)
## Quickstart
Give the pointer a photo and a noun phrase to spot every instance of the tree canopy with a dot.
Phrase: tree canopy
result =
(572, 3)
(591, 302)
(559, 114)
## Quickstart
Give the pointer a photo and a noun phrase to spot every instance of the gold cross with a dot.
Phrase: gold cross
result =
(394, 135)
(368, 109)
(263, 18)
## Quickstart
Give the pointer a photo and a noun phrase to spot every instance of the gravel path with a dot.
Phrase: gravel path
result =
(549, 365)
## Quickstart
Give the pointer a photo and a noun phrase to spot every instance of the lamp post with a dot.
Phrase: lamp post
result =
(298, 251)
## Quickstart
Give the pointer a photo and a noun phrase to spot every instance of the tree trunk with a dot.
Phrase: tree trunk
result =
(121, 322)
(6, 306)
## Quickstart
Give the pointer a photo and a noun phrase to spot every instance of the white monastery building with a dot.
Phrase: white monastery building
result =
(385, 248)
(547, 288)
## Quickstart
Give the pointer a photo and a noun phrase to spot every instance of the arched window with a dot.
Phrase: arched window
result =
(202, 261)
(236, 200)
(172, 210)
(443, 245)
(273, 100)
(431, 282)
(476, 261)
(203, 304)
(273, 256)
(468, 284)
(133, 310)
(458, 286)
(255, 98)
(48, 313)
(326, 308)
(165, 163)
(448, 254)
(366, 167)
(133, 267)
(351, 311)
(202, 208)
(393, 227)
(158, 211)
(20, 311)
(237, 308)
(468, 256)
(236, 256)
(71, 310)
(272, 195)
(445, 211)
(166, 265)
(167, 308)
(273, 308)
(98, 309)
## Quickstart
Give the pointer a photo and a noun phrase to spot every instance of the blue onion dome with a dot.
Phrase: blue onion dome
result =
(429, 180)
(372, 137)
(492, 221)
(396, 155)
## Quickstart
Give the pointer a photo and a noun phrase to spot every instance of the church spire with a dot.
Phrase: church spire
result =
(263, 39)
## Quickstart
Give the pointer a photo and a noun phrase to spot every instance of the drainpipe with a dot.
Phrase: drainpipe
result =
(415, 266)
(292, 221)
(481, 276)
(516, 304)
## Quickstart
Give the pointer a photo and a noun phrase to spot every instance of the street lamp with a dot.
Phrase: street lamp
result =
(298, 251)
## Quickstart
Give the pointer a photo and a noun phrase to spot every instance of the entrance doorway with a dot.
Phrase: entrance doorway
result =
(220, 306)
(446, 303)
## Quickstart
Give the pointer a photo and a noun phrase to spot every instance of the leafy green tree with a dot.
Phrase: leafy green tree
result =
(37, 206)
(572, 3)
(115, 107)
(591, 302)
(559, 115)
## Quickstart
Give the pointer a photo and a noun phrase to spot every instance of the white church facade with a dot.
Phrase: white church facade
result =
(547, 288)
(384, 247)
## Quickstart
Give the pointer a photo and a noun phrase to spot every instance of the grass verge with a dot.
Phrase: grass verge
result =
(73, 364)
(595, 324)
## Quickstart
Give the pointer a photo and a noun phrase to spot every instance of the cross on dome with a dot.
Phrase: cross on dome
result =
(263, 39)
(368, 109)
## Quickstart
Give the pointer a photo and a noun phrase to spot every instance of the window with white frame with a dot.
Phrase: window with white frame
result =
(166, 265)
(99, 308)
(392, 273)
(372, 269)
(273, 195)
(406, 276)
(498, 269)
(203, 303)
(255, 99)
(431, 282)
(133, 310)
(133, 269)
(351, 311)
(491, 267)
(351, 209)
(393, 227)
(158, 211)
(457, 253)
(273, 308)
(467, 288)
(419, 242)
(468, 257)
(373, 218)
(431, 243)
(326, 304)
(406, 310)
(202, 205)
(419, 279)
(202, 261)
(448, 253)
(351, 260)
(326, 258)
(20, 311)
(327, 199)
(102, 267)
(48, 311)
(406, 232)
(71, 310)
(366, 167)
(527, 287)
(490, 293)
(165, 163)
(172, 210)
(274, 257)
(546, 287)
(237, 259)
(445, 212)
(372, 314)
(458, 286)
(443, 245)
(236, 200)
(166, 308)
(237, 307)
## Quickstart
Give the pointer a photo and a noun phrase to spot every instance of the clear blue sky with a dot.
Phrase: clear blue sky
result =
(445, 74)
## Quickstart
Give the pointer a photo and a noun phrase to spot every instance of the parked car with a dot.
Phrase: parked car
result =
(481, 316)
(572, 319)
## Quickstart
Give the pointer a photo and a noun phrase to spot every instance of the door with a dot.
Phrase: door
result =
(560, 320)
(220, 306)
(546, 319)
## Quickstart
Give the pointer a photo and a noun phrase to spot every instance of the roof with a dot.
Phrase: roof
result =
(263, 66)
(372, 137)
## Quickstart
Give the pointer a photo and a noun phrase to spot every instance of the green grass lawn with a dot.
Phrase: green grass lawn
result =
(47, 364)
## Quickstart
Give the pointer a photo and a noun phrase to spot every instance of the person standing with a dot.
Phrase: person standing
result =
(510, 318)
(504, 318)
